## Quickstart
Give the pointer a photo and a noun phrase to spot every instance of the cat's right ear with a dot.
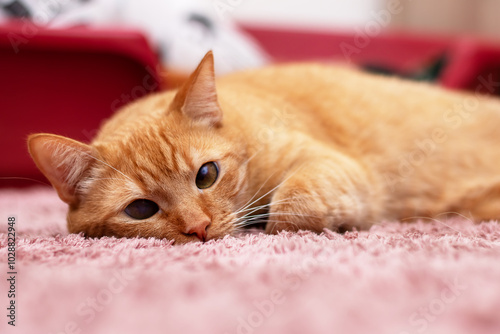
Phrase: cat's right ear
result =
(63, 161)
(197, 98)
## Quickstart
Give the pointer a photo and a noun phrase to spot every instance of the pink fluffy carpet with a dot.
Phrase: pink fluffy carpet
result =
(432, 277)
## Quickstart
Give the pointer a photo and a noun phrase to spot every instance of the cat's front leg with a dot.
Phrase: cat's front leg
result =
(325, 191)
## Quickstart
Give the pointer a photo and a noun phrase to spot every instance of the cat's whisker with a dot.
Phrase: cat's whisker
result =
(282, 201)
(268, 214)
(261, 207)
(246, 205)
(251, 219)
(253, 156)
(252, 223)
(240, 229)
(252, 210)
(432, 219)
(273, 189)
(106, 178)
(23, 179)
(105, 163)
(457, 214)
(289, 223)
(248, 216)
(248, 220)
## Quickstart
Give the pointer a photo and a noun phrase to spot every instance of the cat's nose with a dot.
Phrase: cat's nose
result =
(198, 229)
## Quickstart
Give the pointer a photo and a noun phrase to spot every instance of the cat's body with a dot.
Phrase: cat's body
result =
(305, 146)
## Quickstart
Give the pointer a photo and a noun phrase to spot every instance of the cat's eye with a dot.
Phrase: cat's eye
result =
(207, 175)
(141, 209)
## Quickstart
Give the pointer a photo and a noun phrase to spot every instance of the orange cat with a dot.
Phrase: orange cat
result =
(303, 146)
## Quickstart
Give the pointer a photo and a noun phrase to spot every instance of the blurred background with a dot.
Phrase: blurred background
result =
(478, 17)
(69, 64)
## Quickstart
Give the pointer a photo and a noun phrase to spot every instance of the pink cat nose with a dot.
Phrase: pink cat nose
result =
(199, 230)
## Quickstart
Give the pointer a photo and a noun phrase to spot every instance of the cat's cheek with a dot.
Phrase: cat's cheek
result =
(80, 220)
(222, 227)
(232, 188)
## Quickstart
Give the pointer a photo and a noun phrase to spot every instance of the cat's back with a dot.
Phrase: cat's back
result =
(363, 110)
(416, 137)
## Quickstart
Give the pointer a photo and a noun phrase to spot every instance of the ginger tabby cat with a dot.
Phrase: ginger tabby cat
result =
(301, 146)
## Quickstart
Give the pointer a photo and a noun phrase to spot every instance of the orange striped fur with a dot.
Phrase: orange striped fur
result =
(302, 146)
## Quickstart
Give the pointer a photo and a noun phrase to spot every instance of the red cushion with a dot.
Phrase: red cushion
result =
(470, 62)
(65, 82)
(402, 52)
(474, 65)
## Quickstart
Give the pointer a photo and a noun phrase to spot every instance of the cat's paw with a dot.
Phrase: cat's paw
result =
(294, 209)
(297, 209)
(329, 191)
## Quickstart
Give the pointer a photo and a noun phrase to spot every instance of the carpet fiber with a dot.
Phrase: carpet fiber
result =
(426, 277)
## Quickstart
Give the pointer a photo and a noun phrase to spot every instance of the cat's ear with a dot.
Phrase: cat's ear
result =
(62, 160)
(197, 98)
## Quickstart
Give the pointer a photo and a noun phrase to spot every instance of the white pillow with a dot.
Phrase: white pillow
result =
(181, 30)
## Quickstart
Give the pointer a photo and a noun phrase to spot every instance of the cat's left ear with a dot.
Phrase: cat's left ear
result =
(62, 160)
(197, 98)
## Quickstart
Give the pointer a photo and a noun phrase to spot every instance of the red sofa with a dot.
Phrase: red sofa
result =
(467, 58)
(64, 82)
(67, 82)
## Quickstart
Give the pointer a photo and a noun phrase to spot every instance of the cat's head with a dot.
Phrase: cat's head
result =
(165, 167)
